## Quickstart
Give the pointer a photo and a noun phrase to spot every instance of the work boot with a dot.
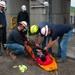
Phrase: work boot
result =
(8, 51)
(60, 61)
(13, 56)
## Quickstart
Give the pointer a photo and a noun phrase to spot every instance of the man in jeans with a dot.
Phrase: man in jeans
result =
(2, 25)
(15, 40)
(64, 32)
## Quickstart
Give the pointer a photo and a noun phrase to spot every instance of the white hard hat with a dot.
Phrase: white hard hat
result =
(24, 23)
(23, 7)
(3, 4)
(46, 3)
(44, 30)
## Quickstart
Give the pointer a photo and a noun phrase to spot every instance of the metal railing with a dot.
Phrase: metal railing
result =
(13, 22)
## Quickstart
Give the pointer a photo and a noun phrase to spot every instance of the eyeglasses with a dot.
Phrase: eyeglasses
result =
(23, 26)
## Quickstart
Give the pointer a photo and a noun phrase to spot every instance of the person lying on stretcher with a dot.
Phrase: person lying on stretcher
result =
(41, 56)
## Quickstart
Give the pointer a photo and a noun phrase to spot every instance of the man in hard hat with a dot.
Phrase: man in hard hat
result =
(64, 32)
(15, 41)
(2, 25)
(36, 29)
(23, 15)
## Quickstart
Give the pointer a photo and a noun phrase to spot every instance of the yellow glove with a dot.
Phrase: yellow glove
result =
(0, 25)
(22, 68)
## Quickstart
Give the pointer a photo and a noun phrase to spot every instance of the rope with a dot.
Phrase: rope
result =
(52, 73)
(55, 73)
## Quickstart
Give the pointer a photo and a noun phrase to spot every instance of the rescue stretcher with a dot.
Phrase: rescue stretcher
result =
(48, 65)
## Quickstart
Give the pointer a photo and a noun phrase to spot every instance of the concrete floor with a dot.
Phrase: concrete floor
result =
(7, 63)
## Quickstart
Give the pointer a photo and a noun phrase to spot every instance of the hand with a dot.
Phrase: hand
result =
(37, 45)
(28, 39)
(0, 26)
(25, 43)
(45, 48)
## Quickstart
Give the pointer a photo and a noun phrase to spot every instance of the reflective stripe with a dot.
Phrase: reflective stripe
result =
(23, 24)
(45, 30)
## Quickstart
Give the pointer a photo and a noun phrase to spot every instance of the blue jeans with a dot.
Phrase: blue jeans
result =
(63, 42)
(44, 43)
(16, 48)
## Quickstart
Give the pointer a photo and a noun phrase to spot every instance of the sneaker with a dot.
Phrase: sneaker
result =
(60, 61)
(13, 56)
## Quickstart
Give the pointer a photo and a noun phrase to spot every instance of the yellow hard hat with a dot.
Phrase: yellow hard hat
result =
(34, 29)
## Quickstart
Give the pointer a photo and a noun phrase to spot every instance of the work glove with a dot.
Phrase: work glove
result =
(0, 25)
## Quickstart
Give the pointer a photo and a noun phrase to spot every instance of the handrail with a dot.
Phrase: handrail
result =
(13, 22)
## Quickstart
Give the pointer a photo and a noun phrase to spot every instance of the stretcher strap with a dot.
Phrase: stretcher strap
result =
(55, 73)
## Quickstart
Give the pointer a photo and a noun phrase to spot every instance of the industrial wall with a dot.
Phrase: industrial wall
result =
(60, 11)
(37, 11)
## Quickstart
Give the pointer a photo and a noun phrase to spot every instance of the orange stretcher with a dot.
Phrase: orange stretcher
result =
(48, 67)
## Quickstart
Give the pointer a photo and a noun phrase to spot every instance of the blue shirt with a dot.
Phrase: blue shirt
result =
(42, 24)
(59, 30)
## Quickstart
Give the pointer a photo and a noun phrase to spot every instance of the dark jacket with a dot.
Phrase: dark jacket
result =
(15, 36)
(2, 19)
(23, 16)
(59, 30)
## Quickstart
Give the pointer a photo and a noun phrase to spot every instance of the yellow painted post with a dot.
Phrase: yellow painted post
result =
(13, 22)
